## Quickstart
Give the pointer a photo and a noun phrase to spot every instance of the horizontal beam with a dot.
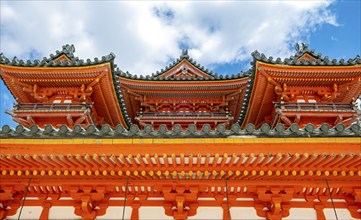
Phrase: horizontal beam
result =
(182, 145)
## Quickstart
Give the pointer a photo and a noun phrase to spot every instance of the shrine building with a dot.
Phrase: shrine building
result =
(279, 141)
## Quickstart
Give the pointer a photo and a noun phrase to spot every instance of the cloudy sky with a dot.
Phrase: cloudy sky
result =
(146, 36)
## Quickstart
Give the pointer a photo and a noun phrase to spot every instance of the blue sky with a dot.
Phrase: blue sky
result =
(146, 36)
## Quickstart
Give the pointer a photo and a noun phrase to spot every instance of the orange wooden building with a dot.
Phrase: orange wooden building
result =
(280, 141)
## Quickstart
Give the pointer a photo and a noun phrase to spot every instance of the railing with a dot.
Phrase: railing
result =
(52, 106)
(183, 114)
(315, 106)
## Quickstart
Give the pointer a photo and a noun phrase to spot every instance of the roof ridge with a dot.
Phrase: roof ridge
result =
(301, 49)
(184, 56)
(67, 50)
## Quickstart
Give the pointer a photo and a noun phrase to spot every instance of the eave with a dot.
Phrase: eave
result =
(201, 84)
(284, 159)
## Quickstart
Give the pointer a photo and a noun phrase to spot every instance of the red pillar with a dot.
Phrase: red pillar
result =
(226, 212)
(45, 213)
(319, 212)
(135, 211)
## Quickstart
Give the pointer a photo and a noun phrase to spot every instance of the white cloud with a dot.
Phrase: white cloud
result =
(146, 35)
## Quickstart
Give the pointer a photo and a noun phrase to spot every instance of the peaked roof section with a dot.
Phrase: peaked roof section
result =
(183, 76)
(183, 68)
(303, 58)
(66, 59)
(67, 54)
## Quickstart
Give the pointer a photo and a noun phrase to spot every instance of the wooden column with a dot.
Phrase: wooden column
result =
(135, 211)
(319, 212)
(45, 212)
(226, 212)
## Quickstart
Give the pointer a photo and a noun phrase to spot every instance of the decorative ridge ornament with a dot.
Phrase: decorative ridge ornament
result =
(185, 54)
(301, 47)
(68, 49)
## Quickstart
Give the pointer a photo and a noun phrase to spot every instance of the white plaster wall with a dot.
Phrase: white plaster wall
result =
(116, 213)
(152, 213)
(157, 213)
(342, 214)
(28, 213)
(244, 213)
(301, 213)
(208, 213)
(62, 212)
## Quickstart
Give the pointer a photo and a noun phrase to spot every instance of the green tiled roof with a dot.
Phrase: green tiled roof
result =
(148, 132)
